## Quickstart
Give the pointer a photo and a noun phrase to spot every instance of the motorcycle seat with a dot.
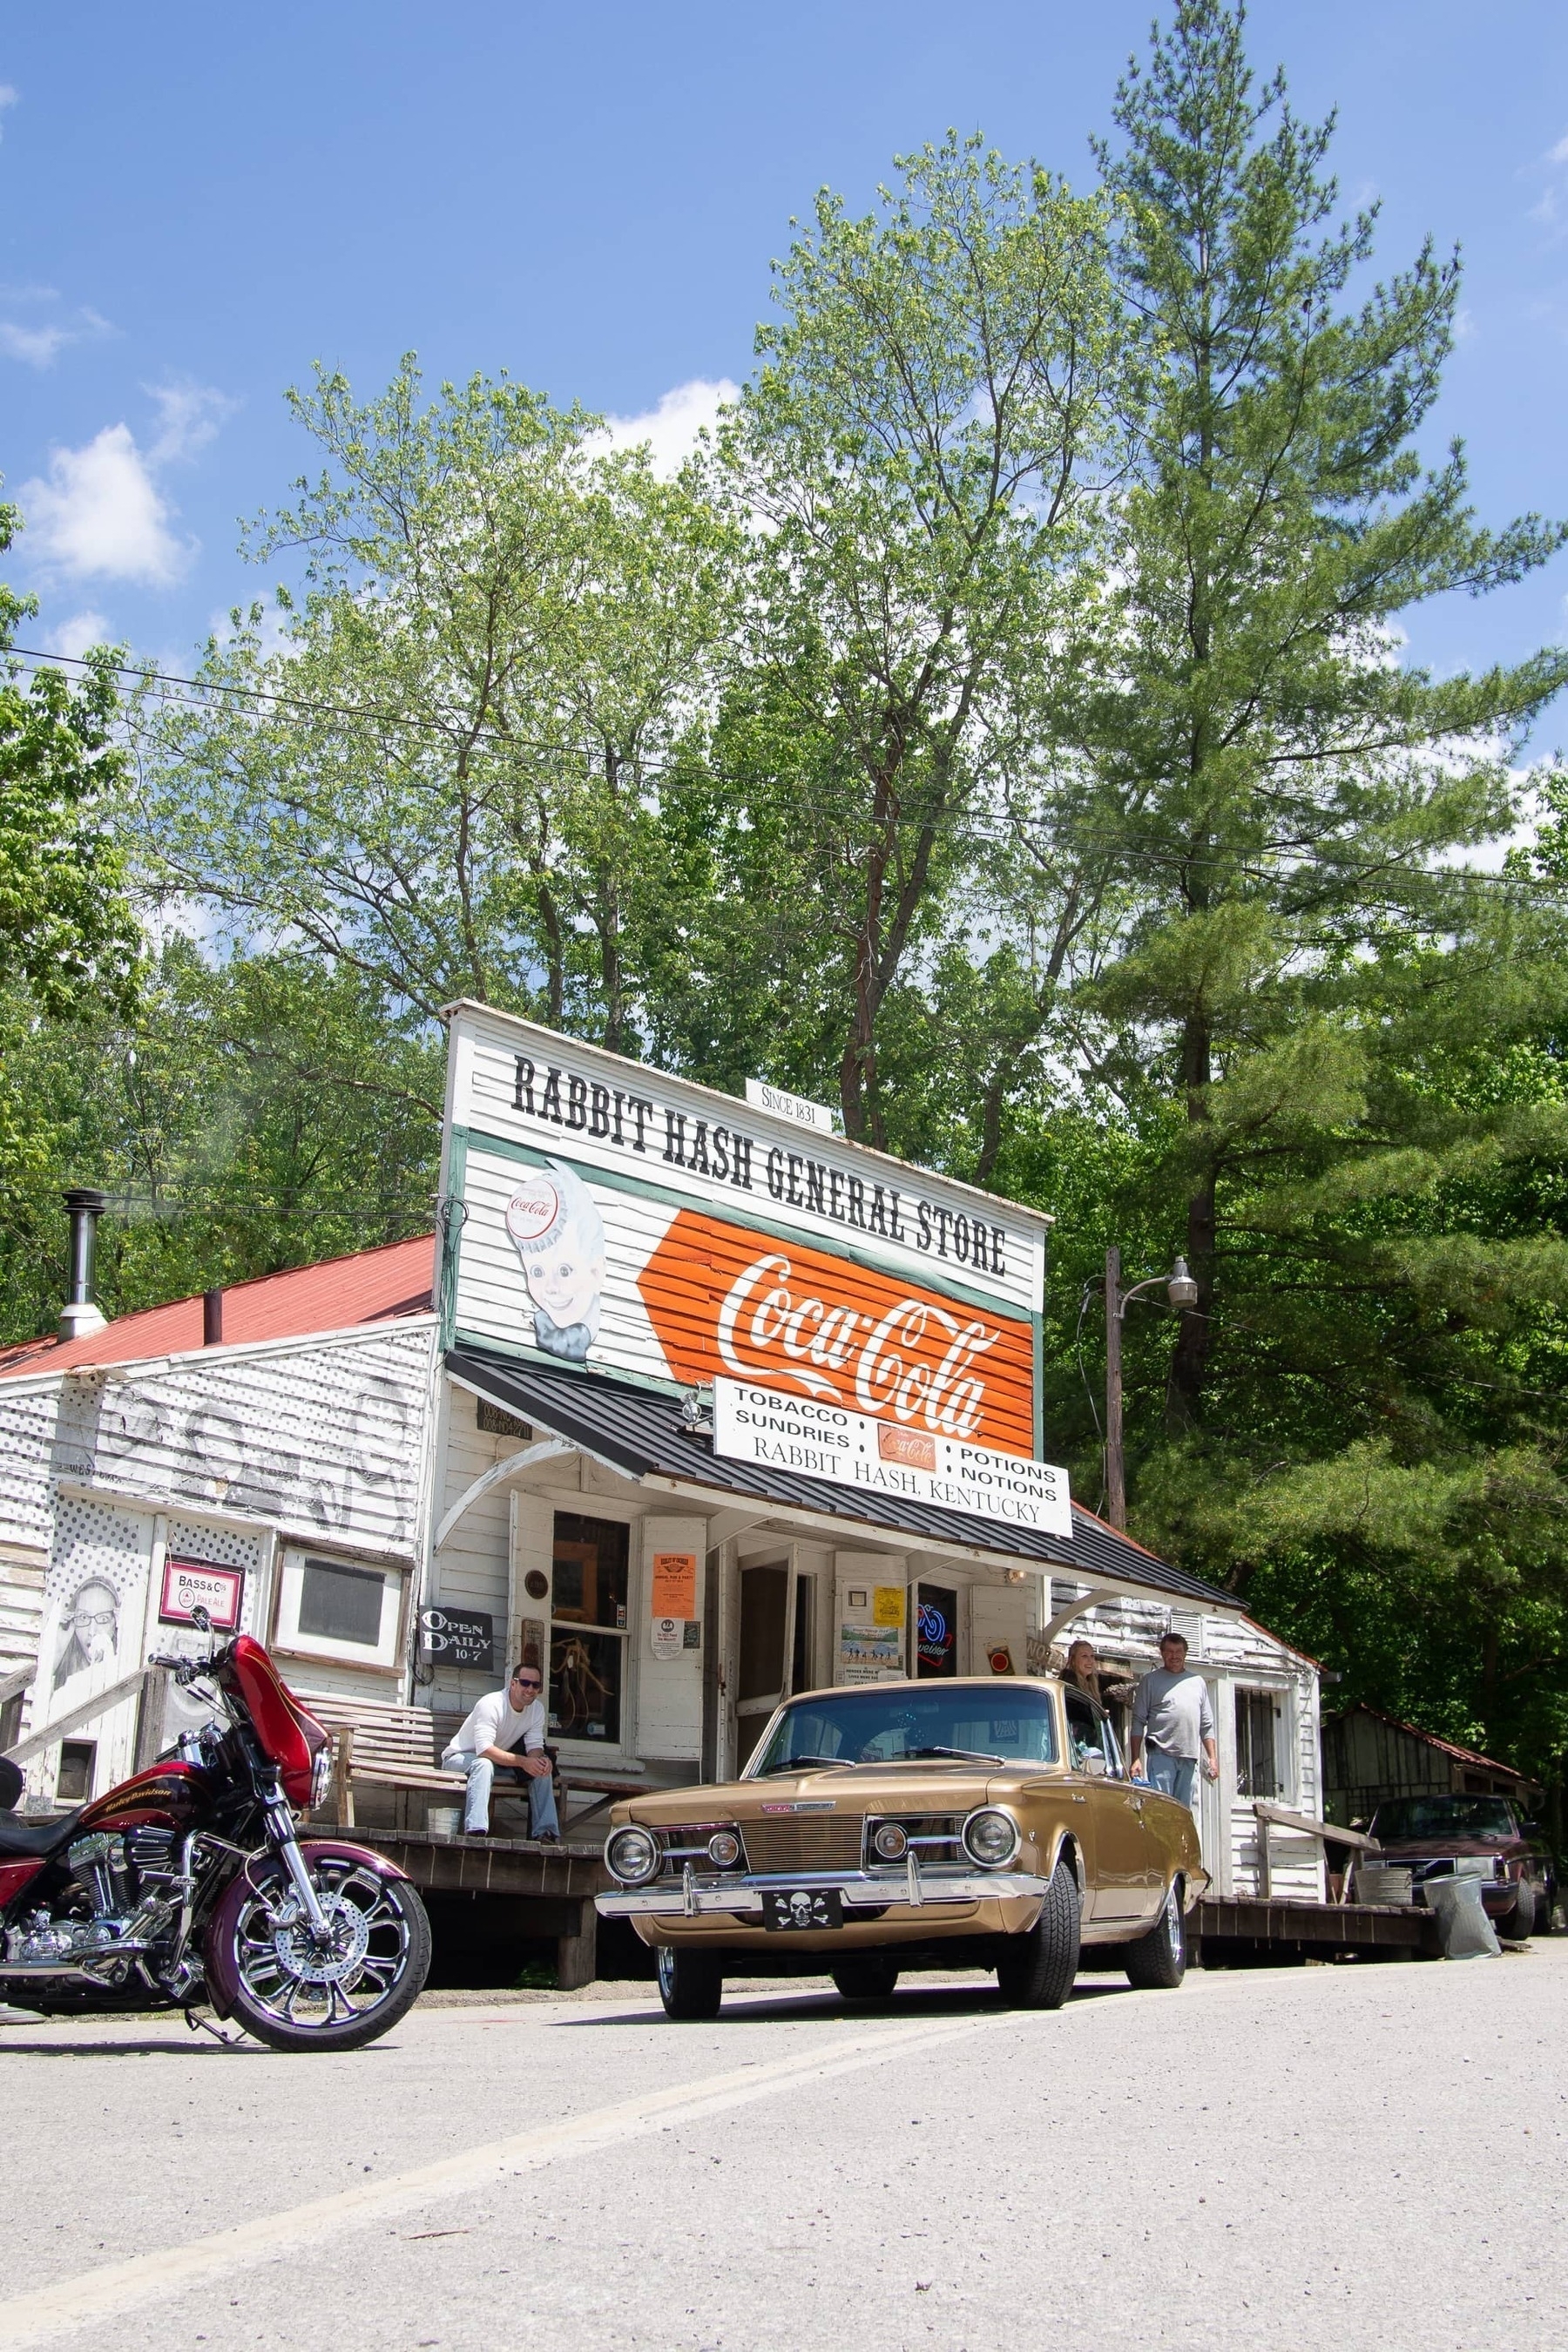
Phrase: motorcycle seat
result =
(35, 1838)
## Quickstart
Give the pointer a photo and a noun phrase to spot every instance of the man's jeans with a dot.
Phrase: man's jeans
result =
(481, 1773)
(1176, 1775)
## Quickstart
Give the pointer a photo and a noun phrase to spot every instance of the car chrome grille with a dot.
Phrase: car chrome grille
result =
(802, 1842)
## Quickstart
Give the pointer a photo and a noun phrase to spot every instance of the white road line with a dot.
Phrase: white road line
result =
(102, 2294)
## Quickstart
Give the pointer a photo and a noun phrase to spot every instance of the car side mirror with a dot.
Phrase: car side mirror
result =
(1531, 1829)
(1094, 1765)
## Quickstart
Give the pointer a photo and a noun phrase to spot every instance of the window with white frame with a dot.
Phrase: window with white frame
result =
(1260, 1747)
(345, 1610)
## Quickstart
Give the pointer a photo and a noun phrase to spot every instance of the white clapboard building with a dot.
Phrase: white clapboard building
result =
(689, 1396)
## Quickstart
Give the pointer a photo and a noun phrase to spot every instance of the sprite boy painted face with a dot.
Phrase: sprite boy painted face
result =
(563, 1278)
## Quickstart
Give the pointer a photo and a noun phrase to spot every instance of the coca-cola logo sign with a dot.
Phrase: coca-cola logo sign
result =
(724, 1301)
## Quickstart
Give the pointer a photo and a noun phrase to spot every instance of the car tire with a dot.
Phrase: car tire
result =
(870, 1976)
(1037, 1970)
(1519, 1921)
(691, 1985)
(1158, 1961)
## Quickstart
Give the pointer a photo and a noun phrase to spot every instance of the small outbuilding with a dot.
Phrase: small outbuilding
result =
(1368, 1756)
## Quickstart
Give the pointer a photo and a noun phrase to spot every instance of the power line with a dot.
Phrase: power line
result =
(1174, 858)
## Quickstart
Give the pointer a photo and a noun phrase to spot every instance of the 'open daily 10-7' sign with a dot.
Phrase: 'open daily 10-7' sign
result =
(633, 1224)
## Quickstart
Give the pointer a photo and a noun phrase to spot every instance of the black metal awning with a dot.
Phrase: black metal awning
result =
(640, 1430)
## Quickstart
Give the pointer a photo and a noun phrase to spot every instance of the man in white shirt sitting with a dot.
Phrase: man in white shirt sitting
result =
(505, 1732)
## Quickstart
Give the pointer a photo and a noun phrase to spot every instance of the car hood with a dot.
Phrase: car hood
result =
(926, 1786)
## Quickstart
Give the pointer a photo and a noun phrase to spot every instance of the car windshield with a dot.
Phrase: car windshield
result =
(890, 1722)
(1403, 1819)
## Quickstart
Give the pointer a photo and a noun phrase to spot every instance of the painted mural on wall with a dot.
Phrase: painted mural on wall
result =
(95, 1602)
(325, 1439)
(614, 1217)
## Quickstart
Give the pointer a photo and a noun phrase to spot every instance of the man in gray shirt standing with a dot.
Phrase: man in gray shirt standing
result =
(1173, 1724)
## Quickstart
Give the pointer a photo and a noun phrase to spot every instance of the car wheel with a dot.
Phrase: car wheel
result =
(1037, 1970)
(1518, 1922)
(690, 1984)
(1158, 1961)
(870, 1976)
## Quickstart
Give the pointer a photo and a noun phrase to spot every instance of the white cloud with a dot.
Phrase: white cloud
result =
(101, 516)
(1559, 155)
(40, 341)
(72, 637)
(670, 429)
(36, 345)
(189, 415)
(8, 95)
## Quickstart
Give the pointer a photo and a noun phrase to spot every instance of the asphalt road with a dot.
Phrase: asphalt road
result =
(1363, 2156)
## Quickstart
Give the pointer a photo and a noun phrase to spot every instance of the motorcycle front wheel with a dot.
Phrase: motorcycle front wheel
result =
(294, 1993)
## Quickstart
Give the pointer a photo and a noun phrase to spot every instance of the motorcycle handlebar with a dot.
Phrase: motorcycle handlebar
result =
(184, 1670)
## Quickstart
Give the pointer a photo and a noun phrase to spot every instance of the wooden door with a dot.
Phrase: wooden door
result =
(766, 1635)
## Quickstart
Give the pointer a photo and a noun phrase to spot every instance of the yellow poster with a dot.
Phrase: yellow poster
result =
(887, 1604)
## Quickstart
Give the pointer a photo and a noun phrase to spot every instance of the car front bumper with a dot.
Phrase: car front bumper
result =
(860, 1891)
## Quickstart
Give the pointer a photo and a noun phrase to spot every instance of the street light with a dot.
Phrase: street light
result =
(1182, 1292)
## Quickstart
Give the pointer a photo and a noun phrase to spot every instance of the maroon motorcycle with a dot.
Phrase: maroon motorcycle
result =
(191, 1883)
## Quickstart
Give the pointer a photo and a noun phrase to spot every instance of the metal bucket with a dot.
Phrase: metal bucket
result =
(1383, 1882)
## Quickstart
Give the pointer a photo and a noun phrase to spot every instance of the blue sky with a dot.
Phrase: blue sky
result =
(196, 203)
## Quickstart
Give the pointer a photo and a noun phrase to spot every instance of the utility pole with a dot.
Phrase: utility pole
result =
(1115, 1471)
(1183, 1293)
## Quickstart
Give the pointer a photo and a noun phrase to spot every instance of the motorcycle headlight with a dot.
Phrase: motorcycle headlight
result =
(631, 1856)
(890, 1840)
(991, 1838)
(321, 1773)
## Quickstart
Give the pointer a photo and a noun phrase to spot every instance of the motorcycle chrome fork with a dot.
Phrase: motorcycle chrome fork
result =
(280, 1830)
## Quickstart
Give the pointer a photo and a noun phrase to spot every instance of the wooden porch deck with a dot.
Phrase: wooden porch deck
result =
(550, 1889)
(1233, 1930)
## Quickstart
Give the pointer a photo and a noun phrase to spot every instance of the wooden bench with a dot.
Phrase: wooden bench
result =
(400, 1748)
(385, 1747)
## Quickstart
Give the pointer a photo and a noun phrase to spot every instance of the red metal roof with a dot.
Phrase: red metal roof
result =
(374, 1285)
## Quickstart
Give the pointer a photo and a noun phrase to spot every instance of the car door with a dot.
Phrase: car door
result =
(1124, 1856)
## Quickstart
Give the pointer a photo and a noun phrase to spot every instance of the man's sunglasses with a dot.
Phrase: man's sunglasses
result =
(528, 1682)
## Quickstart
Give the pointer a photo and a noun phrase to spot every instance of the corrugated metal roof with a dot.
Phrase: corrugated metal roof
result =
(372, 1286)
(639, 1430)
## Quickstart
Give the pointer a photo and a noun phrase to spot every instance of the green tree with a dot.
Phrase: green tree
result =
(67, 932)
(919, 455)
(247, 1116)
(437, 769)
(1282, 783)
(1321, 1056)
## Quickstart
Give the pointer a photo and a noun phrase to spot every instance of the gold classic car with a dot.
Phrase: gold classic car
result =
(981, 1821)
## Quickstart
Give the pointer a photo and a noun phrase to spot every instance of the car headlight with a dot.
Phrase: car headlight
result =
(889, 1840)
(991, 1838)
(321, 1773)
(724, 1849)
(631, 1856)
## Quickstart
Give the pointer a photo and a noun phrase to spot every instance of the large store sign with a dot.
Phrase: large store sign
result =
(619, 1219)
